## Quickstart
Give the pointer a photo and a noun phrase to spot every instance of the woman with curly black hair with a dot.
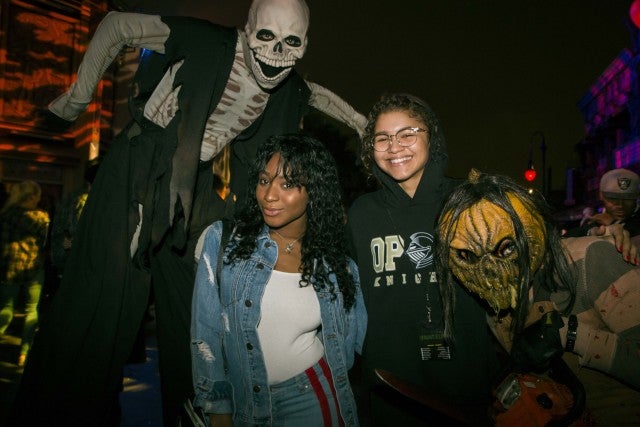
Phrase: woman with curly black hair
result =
(275, 325)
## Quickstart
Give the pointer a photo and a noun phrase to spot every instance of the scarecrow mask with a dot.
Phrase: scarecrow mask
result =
(276, 32)
(483, 253)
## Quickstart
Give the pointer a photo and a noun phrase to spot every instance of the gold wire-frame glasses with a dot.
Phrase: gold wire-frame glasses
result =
(404, 137)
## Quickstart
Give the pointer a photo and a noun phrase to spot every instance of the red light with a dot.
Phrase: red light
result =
(634, 13)
(530, 174)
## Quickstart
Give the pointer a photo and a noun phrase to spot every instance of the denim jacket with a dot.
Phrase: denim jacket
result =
(229, 374)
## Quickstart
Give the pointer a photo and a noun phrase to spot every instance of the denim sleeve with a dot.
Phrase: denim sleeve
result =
(356, 319)
(212, 388)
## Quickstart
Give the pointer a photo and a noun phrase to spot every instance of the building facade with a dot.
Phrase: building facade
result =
(611, 111)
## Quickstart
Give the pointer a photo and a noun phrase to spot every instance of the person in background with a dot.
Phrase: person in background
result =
(275, 330)
(23, 233)
(619, 192)
(391, 232)
(65, 220)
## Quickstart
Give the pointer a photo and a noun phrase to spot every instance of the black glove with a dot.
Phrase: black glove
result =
(535, 347)
(45, 119)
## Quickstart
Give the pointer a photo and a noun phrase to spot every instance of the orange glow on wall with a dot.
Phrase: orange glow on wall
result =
(38, 63)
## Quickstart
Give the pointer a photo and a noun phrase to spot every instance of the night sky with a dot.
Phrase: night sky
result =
(495, 71)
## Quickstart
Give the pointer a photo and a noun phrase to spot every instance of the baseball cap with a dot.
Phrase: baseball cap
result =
(620, 184)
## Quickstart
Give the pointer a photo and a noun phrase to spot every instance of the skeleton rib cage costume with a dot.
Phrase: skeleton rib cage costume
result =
(244, 97)
(150, 201)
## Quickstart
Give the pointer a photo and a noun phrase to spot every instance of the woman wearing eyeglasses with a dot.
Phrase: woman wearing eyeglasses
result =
(391, 232)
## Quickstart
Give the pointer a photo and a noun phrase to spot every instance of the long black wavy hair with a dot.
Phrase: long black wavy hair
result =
(306, 163)
(555, 272)
(415, 108)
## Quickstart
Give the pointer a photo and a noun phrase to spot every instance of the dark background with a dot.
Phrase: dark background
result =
(495, 71)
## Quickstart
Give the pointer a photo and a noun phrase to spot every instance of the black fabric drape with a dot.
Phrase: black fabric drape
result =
(74, 370)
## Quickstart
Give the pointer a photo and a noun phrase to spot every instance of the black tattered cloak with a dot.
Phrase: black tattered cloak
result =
(75, 368)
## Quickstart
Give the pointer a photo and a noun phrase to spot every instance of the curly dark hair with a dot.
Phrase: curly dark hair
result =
(306, 163)
(555, 273)
(416, 108)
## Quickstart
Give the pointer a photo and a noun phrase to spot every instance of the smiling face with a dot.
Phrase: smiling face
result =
(276, 33)
(283, 205)
(404, 164)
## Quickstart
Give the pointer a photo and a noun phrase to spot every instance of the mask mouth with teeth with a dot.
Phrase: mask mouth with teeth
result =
(276, 34)
(499, 241)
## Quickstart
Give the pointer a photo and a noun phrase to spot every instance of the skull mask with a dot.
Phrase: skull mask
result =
(483, 254)
(276, 32)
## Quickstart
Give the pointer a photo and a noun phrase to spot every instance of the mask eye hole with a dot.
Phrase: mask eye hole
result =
(467, 256)
(293, 41)
(265, 35)
(505, 249)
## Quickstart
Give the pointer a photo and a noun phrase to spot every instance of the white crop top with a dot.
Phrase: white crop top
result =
(290, 317)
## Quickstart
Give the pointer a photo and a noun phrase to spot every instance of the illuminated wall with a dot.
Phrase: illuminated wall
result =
(41, 43)
(611, 111)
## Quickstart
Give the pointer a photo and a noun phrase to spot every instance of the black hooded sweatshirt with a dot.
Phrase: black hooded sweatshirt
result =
(392, 240)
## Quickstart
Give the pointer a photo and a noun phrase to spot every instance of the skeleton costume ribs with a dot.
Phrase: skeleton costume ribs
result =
(202, 87)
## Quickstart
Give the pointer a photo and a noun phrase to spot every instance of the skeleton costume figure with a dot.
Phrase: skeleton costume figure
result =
(199, 87)
(499, 242)
(274, 38)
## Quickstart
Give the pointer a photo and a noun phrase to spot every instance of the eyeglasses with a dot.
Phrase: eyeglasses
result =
(404, 138)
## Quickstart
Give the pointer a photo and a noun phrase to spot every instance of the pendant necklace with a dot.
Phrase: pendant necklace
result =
(289, 246)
